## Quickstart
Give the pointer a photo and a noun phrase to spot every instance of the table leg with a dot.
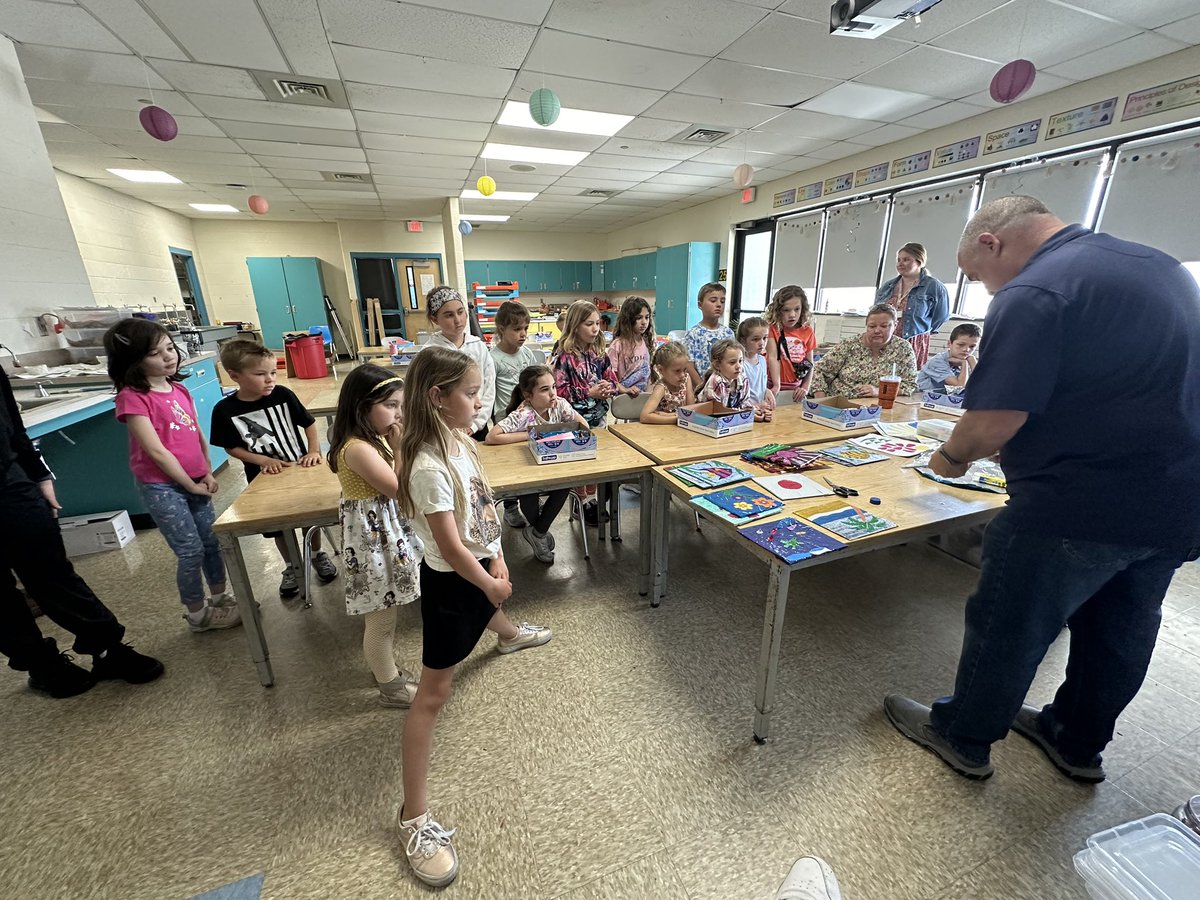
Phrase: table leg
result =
(768, 660)
(646, 531)
(602, 509)
(614, 501)
(297, 559)
(662, 518)
(235, 565)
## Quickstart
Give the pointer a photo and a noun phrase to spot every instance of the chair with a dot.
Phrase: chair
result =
(677, 335)
(629, 409)
(306, 555)
(784, 398)
(539, 355)
(327, 343)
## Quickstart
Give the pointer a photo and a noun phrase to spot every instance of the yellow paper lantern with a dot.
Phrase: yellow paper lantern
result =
(486, 185)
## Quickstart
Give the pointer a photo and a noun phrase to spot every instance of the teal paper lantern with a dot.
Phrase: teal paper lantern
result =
(544, 106)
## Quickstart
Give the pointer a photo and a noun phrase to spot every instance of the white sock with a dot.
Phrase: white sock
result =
(196, 617)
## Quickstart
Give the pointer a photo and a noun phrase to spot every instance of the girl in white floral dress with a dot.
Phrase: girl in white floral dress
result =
(381, 553)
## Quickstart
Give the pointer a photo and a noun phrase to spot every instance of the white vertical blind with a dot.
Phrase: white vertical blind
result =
(756, 259)
(1065, 186)
(1154, 195)
(934, 217)
(797, 248)
(853, 241)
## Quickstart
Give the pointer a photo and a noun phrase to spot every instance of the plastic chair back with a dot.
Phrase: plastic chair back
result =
(628, 408)
(677, 335)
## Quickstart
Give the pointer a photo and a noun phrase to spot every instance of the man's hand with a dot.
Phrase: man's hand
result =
(47, 489)
(946, 469)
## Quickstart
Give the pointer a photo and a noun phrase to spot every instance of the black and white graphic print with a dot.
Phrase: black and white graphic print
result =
(270, 432)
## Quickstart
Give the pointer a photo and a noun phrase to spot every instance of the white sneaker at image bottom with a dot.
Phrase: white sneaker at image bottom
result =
(811, 878)
(428, 848)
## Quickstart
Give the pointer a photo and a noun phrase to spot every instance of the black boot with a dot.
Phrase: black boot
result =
(56, 675)
(123, 662)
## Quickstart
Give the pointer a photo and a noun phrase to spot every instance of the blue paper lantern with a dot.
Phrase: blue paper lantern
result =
(464, 228)
(544, 106)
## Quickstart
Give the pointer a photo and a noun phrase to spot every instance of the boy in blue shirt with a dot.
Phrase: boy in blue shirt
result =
(949, 370)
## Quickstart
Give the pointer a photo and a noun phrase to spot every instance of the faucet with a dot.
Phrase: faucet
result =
(16, 362)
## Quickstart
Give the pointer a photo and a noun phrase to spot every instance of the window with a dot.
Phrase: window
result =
(934, 217)
(797, 251)
(1154, 193)
(755, 263)
(850, 263)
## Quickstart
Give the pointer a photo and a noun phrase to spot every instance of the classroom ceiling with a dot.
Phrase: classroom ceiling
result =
(426, 83)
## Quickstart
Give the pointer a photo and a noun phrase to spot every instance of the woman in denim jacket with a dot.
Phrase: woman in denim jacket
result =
(921, 302)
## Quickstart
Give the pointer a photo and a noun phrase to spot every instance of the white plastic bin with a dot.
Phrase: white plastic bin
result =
(1155, 858)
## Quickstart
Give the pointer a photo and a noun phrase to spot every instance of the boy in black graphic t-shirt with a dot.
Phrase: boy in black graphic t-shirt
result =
(267, 427)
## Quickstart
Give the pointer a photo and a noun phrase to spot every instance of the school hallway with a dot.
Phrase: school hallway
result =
(614, 762)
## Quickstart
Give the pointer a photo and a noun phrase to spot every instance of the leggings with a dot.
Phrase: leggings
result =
(186, 522)
(379, 631)
(542, 519)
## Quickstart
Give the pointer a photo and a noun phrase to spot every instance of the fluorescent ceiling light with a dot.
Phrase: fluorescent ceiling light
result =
(517, 153)
(213, 207)
(471, 218)
(148, 176)
(521, 196)
(576, 121)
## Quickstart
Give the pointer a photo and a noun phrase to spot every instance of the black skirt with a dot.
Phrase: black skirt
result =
(454, 615)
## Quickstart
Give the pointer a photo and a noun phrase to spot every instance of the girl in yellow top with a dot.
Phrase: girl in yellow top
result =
(381, 553)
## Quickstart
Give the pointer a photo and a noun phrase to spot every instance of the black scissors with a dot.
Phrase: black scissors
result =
(840, 490)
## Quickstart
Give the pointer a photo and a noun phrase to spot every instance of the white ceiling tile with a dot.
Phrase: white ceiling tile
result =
(59, 64)
(800, 45)
(1044, 83)
(700, 168)
(1045, 33)
(104, 118)
(1187, 30)
(402, 158)
(1130, 52)
(945, 114)
(838, 150)
(420, 176)
(682, 25)
(73, 134)
(501, 171)
(137, 28)
(754, 84)
(764, 142)
(388, 123)
(886, 135)
(602, 184)
(555, 140)
(56, 25)
(386, 25)
(290, 176)
(868, 101)
(531, 12)
(645, 128)
(818, 125)
(290, 133)
(307, 151)
(227, 32)
(954, 75)
(634, 163)
(682, 178)
(657, 186)
(558, 53)
(579, 93)
(732, 155)
(377, 98)
(709, 111)
(370, 66)
(140, 140)
(319, 165)
(630, 174)
(163, 156)
(436, 146)
(112, 96)
(297, 26)
(1143, 13)
(265, 111)
(205, 79)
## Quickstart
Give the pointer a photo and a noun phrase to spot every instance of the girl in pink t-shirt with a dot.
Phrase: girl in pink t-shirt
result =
(169, 458)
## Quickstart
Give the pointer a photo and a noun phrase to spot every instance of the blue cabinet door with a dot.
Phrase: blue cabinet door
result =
(670, 299)
(597, 275)
(306, 288)
(476, 271)
(644, 265)
(271, 299)
(581, 277)
(537, 273)
(506, 270)
(205, 387)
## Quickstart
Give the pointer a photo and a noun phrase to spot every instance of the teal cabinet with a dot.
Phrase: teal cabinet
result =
(680, 272)
(597, 275)
(506, 270)
(538, 275)
(205, 387)
(644, 267)
(581, 277)
(476, 271)
(289, 294)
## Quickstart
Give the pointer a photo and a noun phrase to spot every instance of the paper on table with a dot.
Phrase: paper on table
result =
(792, 487)
(891, 446)
(973, 479)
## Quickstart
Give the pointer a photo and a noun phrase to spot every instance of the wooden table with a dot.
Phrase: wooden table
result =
(303, 498)
(919, 507)
(669, 445)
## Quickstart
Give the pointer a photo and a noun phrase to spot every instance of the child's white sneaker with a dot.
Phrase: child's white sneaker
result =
(527, 636)
(811, 878)
(400, 692)
(213, 618)
(427, 846)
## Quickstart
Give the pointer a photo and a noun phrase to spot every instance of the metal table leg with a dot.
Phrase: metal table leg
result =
(235, 564)
(662, 518)
(646, 533)
(614, 502)
(299, 561)
(602, 509)
(768, 660)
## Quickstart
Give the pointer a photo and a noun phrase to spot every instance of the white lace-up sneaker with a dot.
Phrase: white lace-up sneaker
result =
(527, 636)
(400, 692)
(428, 848)
(811, 878)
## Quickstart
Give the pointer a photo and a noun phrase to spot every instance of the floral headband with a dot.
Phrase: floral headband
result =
(439, 297)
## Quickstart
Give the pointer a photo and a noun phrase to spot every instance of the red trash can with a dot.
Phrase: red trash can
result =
(307, 354)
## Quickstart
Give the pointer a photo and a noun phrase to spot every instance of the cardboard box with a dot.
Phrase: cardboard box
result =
(951, 404)
(839, 413)
(92, 534)
(551, 444)
(713, 419)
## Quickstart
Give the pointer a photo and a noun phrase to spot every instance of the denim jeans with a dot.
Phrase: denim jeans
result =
(1032, 584)
(186, 522)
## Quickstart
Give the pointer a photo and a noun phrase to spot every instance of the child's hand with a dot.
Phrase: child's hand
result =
(799, 394)
(600, 390)
(211, 483)
(274, 466)
(634, 391)
(310, 459)
(764, 413)
(392, 435)
(499, 569)
(498, 591)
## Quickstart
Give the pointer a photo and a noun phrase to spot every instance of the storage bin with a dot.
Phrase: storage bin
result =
(85, 337)
(1155, 858)
(92, 534)
(307, 355)
(102, 317)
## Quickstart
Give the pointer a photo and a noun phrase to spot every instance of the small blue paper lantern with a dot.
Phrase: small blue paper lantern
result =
(464, 228)
(544, 106)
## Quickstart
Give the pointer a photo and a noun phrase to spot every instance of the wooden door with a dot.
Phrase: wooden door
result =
(416, 277)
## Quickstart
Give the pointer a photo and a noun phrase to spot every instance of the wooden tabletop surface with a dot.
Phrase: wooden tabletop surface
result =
(670, 444)
(511, 470)
(916, 504)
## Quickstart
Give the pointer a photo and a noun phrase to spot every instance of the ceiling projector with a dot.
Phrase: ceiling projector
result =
(871, 18)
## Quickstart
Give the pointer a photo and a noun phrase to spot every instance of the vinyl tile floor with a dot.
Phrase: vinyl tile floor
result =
(615, 762)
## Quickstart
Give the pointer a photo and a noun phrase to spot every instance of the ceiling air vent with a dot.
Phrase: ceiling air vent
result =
(347, 178)
(284, 87)
(700, 135)
(596, 192)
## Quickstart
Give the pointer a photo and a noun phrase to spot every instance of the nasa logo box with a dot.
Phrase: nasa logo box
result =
(839, 413)
(713, 419)
(561, 443)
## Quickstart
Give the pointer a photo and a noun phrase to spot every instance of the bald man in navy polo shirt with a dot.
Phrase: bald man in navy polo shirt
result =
(1088, 385)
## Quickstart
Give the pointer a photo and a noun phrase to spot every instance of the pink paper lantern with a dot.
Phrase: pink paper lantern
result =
(1012, 80)
(158, 123)
(258, 204)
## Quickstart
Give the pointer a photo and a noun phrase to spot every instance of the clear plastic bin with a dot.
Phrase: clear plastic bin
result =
(101, 317)
(1155, 858)
(85, 337)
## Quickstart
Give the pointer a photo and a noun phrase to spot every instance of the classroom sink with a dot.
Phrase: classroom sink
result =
(28, 401)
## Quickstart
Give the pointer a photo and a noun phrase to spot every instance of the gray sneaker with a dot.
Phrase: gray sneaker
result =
(541, 547)
(513, 517)
(1026, 725)
(288, 587)
(428, 848)
(215, 618)
(400, 692)
(811, 878)
(324, 567)
(911, 719)
(527, 636)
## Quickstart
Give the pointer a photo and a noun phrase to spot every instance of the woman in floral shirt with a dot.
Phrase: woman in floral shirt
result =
(852, 368)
